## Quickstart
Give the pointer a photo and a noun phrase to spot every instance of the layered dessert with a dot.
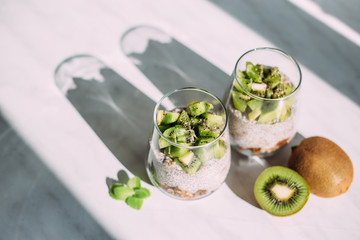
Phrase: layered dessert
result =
(261, 110)
(191, 158)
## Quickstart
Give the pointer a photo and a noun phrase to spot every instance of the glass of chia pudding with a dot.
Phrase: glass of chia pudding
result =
(189, 153)
(261, 101)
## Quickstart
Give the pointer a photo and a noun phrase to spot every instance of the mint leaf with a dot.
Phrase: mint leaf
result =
(131, 192)
(134, 183)
(111, 190)
(142, 193)
(121, 193)
(134, 202)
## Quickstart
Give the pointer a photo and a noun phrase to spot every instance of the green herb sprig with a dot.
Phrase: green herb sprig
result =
(131, 192)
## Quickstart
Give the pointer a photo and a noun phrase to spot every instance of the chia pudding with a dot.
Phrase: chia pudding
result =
(261, 110)
(191, 157)
(257, 137)
(174, 180)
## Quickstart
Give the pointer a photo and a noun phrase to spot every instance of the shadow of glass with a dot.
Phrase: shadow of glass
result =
(322, 50)
(34, 203)
(168, 63)
(118, 112)
(244, 170)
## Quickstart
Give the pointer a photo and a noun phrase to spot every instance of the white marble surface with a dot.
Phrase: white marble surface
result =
(36, 36)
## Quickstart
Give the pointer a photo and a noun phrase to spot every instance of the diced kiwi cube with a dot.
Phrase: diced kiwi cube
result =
(269, 106)
(237, 85)
(163, 143)
(198, 108)
(270, 112)
(260, 69)
(275, 72)
(283, 113)
(274, 83)
(193, 166)
(194, 121)
(252, 73)
(170, 133)
(205, 131)
(180, 130)
(218, 149)
(288, 89)
(268, 93)
(184, 119)
(170, 117)
(243, 96)
(243, 81)
(187, 139)
(159, 116)
(254, 104)
(166, 117)
(186, 158)
(268, 117)
(176, 151)
(182, 138)
(213, 120)
(239, 103)
(203, 154)
(163, 127)
(203, 141)
(254, 114)
(184, 135)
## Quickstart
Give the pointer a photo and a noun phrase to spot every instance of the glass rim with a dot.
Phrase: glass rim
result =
(191, 89)
(274, 50)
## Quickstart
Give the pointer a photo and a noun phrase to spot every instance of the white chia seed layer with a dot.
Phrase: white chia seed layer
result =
(247, 134)
(209, 177)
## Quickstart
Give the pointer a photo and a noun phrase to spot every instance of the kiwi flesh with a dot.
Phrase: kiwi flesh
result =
(238, 101)
(206, 131)
(265, 82)
(184, 119)
(254, 114)
(173, 151)
(190, 168)
(187, 158)
(194, 125)
(281, 191)
(198, 108)
(213, 121)
(216, 150)
(166, 117)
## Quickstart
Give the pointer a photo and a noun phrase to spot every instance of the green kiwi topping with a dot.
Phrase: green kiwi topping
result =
(265, 82)
(281, 191)
(193, 125)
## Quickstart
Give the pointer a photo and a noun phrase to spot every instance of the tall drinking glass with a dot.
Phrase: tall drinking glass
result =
(261, 101)
(189, 153)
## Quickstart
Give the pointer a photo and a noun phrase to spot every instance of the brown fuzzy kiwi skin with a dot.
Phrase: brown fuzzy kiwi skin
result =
(327, 169)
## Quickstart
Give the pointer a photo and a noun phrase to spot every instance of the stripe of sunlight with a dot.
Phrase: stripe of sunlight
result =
(332, 22)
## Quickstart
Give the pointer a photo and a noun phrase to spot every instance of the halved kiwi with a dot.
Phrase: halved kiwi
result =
(281, 191)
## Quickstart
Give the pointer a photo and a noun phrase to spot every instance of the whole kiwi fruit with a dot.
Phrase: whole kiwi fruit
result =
(326, 168)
